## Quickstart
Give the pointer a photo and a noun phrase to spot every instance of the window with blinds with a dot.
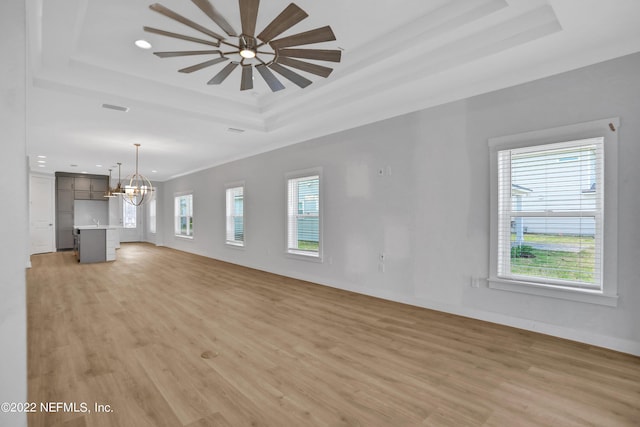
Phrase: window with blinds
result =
(303, 215)
(184, 216)
(235, 216)
(550, 214)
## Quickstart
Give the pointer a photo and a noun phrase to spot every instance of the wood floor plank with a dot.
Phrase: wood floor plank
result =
(168, 338)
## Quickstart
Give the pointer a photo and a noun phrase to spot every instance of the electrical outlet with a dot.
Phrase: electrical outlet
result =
(381, 257)
(475, 282)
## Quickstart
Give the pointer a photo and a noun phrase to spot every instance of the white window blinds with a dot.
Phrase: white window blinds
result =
(550, 214)
(235, 216)
(303, 215)
(184, 215)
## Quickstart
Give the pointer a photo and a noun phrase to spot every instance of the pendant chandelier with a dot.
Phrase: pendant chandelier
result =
(118, 191)
(139, 189)
(110, 193)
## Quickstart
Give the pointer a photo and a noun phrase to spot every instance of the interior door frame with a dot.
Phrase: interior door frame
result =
(51, 214)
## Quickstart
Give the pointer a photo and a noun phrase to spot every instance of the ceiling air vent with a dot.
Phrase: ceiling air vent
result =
(115, 107)
(235, 130)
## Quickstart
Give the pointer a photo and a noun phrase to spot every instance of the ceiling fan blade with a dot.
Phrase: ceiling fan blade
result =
(318, 70)
(185, 53)
(202, 65)
(157, 7)
(287, 19)
(249, 16)
(319, 54)
(290, 75)
(211, 12)
(223, 74)
(323, 34)
(247, 77)
(267, 75)
(180, 36)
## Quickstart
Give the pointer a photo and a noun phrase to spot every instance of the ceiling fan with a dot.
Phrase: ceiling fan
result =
(249, 49)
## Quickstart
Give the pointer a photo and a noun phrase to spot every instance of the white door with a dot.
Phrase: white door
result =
(42, 213)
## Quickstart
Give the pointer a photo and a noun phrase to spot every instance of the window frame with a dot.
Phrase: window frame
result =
(316, 256)
(128, 206)
(153, 223)
(176, 228)
(608, 130)
(239, 244)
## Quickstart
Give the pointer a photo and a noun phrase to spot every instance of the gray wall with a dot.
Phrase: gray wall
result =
(14, 215)
(416, 188)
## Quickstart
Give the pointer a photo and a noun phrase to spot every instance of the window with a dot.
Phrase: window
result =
(235, 216)
(303, 215)
(152, 216)
(548, 215)
(184, 216)
(129, 214)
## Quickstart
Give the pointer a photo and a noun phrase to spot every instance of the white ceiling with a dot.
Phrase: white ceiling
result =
(398, 56)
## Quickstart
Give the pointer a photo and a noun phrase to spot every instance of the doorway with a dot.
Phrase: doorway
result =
(42, 214)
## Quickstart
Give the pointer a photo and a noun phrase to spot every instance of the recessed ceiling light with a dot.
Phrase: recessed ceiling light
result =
(42, 161)
(143, 44)
(98, 166)
(154, 171)
(42, 166)
(84, 172)
(42, 157)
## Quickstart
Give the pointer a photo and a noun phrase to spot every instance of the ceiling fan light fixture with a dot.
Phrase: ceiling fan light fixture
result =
(143, 44)
(249, 46)
(248, 53)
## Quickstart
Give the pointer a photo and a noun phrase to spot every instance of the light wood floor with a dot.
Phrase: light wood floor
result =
(172, 339)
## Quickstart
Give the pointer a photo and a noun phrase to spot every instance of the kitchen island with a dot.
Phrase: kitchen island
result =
(96, 243)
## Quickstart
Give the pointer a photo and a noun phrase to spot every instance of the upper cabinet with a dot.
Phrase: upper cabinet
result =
(64, 183)
(93, 188)
(99, 187)
(82, 188)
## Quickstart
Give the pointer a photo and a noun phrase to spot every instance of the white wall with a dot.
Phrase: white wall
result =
(157, 237)
(14, 234)
(416, 187)
(85, 212)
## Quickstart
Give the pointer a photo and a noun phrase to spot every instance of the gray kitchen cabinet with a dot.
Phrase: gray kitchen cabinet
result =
(82, 184)
(64, 223)
(92, 245)
(64, 201)
(70, 187)
(99, 186)
(64, 183)
(64, 214)
(82, 188)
